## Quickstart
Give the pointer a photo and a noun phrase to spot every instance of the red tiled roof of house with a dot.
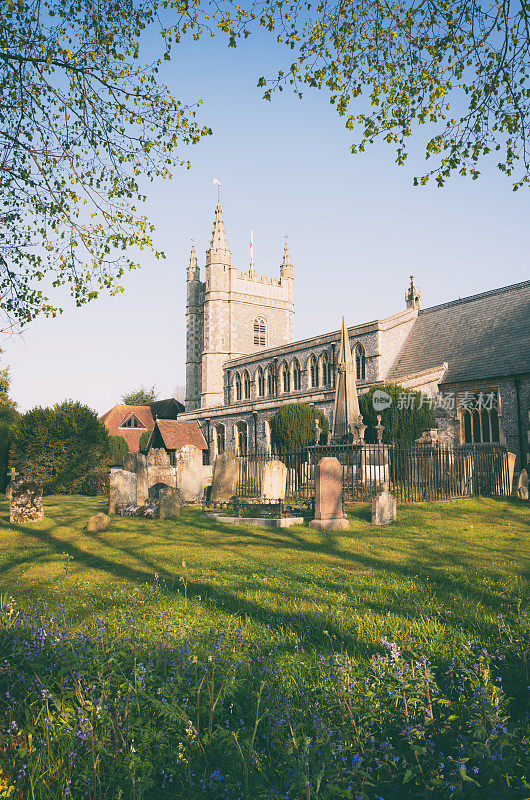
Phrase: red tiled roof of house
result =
(177, 434)
(113, 421)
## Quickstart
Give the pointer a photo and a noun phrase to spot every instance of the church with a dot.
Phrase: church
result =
(471, 356)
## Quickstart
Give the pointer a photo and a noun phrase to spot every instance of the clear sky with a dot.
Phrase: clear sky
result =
(357, 229)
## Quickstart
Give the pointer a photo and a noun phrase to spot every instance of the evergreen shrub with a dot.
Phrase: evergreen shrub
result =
(293, 427)
(144, 441)
(60, 446)
(402, 425)
(118, 447)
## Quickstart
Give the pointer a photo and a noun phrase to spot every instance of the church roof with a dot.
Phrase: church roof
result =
(177, 434)
(480, 337)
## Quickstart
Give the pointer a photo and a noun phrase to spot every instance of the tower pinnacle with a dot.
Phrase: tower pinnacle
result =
(193, 267)
(218, 240)
(286, 269)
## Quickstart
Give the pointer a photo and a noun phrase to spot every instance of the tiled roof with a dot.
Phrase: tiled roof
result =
(114, 419)
(484, 336)
(177, 434)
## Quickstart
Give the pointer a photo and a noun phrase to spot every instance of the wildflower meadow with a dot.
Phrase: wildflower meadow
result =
(186, 659)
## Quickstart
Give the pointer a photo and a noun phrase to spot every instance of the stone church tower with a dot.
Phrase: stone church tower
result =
(229, 315)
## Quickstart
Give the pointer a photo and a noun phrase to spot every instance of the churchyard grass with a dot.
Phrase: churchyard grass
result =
(190, 659)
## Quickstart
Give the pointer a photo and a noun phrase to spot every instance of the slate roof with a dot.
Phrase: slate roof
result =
(166, 409)
(480, 337)
(177, 434)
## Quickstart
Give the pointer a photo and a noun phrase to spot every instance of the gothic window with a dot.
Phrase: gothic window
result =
(246, 385)
(360, 362)
(260, 382)
(260, 332)
(241, 438)
(220, 439)
(270, 382)
(297, 376)
(480, 425)
(237, 382)
(326, 370)
(286, 379)
(132, 422)
(313, 371)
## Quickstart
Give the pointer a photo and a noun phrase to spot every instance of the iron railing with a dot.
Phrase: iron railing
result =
(414, 472)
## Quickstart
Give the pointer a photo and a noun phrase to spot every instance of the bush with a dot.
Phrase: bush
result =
(401, 425)
(293, 427)
(60, 446)
(144, 441)
(118, 447)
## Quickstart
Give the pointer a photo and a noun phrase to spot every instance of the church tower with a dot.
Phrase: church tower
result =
(194, 333)
(232, 314)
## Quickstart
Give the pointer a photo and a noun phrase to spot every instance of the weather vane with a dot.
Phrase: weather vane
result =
(217, 183)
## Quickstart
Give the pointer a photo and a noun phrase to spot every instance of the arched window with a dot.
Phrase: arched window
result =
(241, 438)
(326, 370)
(360, 362)
(260, 382)
(270, 382)
(286, 378)
(297, 376)
(246, 385)
(313, 371)
(237, 383)
(260, 332)
(480, 425)
(220, 439)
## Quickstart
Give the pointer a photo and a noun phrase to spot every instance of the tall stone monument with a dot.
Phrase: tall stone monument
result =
(347, 421)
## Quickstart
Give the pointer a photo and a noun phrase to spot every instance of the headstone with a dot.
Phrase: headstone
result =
(97, 523)
(26, 503)
(225, 477)
(159, 469)
(511, 468)
(168, 505)
(374, 465)
(522, 485)
(189, 474)
(329, 513)
(273, 480)
(137, 462)
(123, 489)
(384, 507)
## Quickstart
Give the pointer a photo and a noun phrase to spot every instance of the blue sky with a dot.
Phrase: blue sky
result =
(357, 229)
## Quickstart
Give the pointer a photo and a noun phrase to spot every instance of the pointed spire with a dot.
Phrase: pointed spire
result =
(346, 414)
(286, 269)
(193, 267)
(218, 240)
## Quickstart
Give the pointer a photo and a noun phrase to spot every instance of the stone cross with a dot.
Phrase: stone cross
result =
(12, 474)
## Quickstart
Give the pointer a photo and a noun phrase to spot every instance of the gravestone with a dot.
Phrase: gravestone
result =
(189, 474)
(168, 505)
(522, 485)
(159, 469)
(26, 503)
(225, 477)
(97, 523)
(329, 513)
(137, 463)
(273, 480)
(374, 465)
(123, 489)
(384, 507)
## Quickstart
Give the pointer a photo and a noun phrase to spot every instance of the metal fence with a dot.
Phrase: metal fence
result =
(414, 472)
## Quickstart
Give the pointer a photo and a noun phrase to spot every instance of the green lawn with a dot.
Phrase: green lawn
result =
(445, 581)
